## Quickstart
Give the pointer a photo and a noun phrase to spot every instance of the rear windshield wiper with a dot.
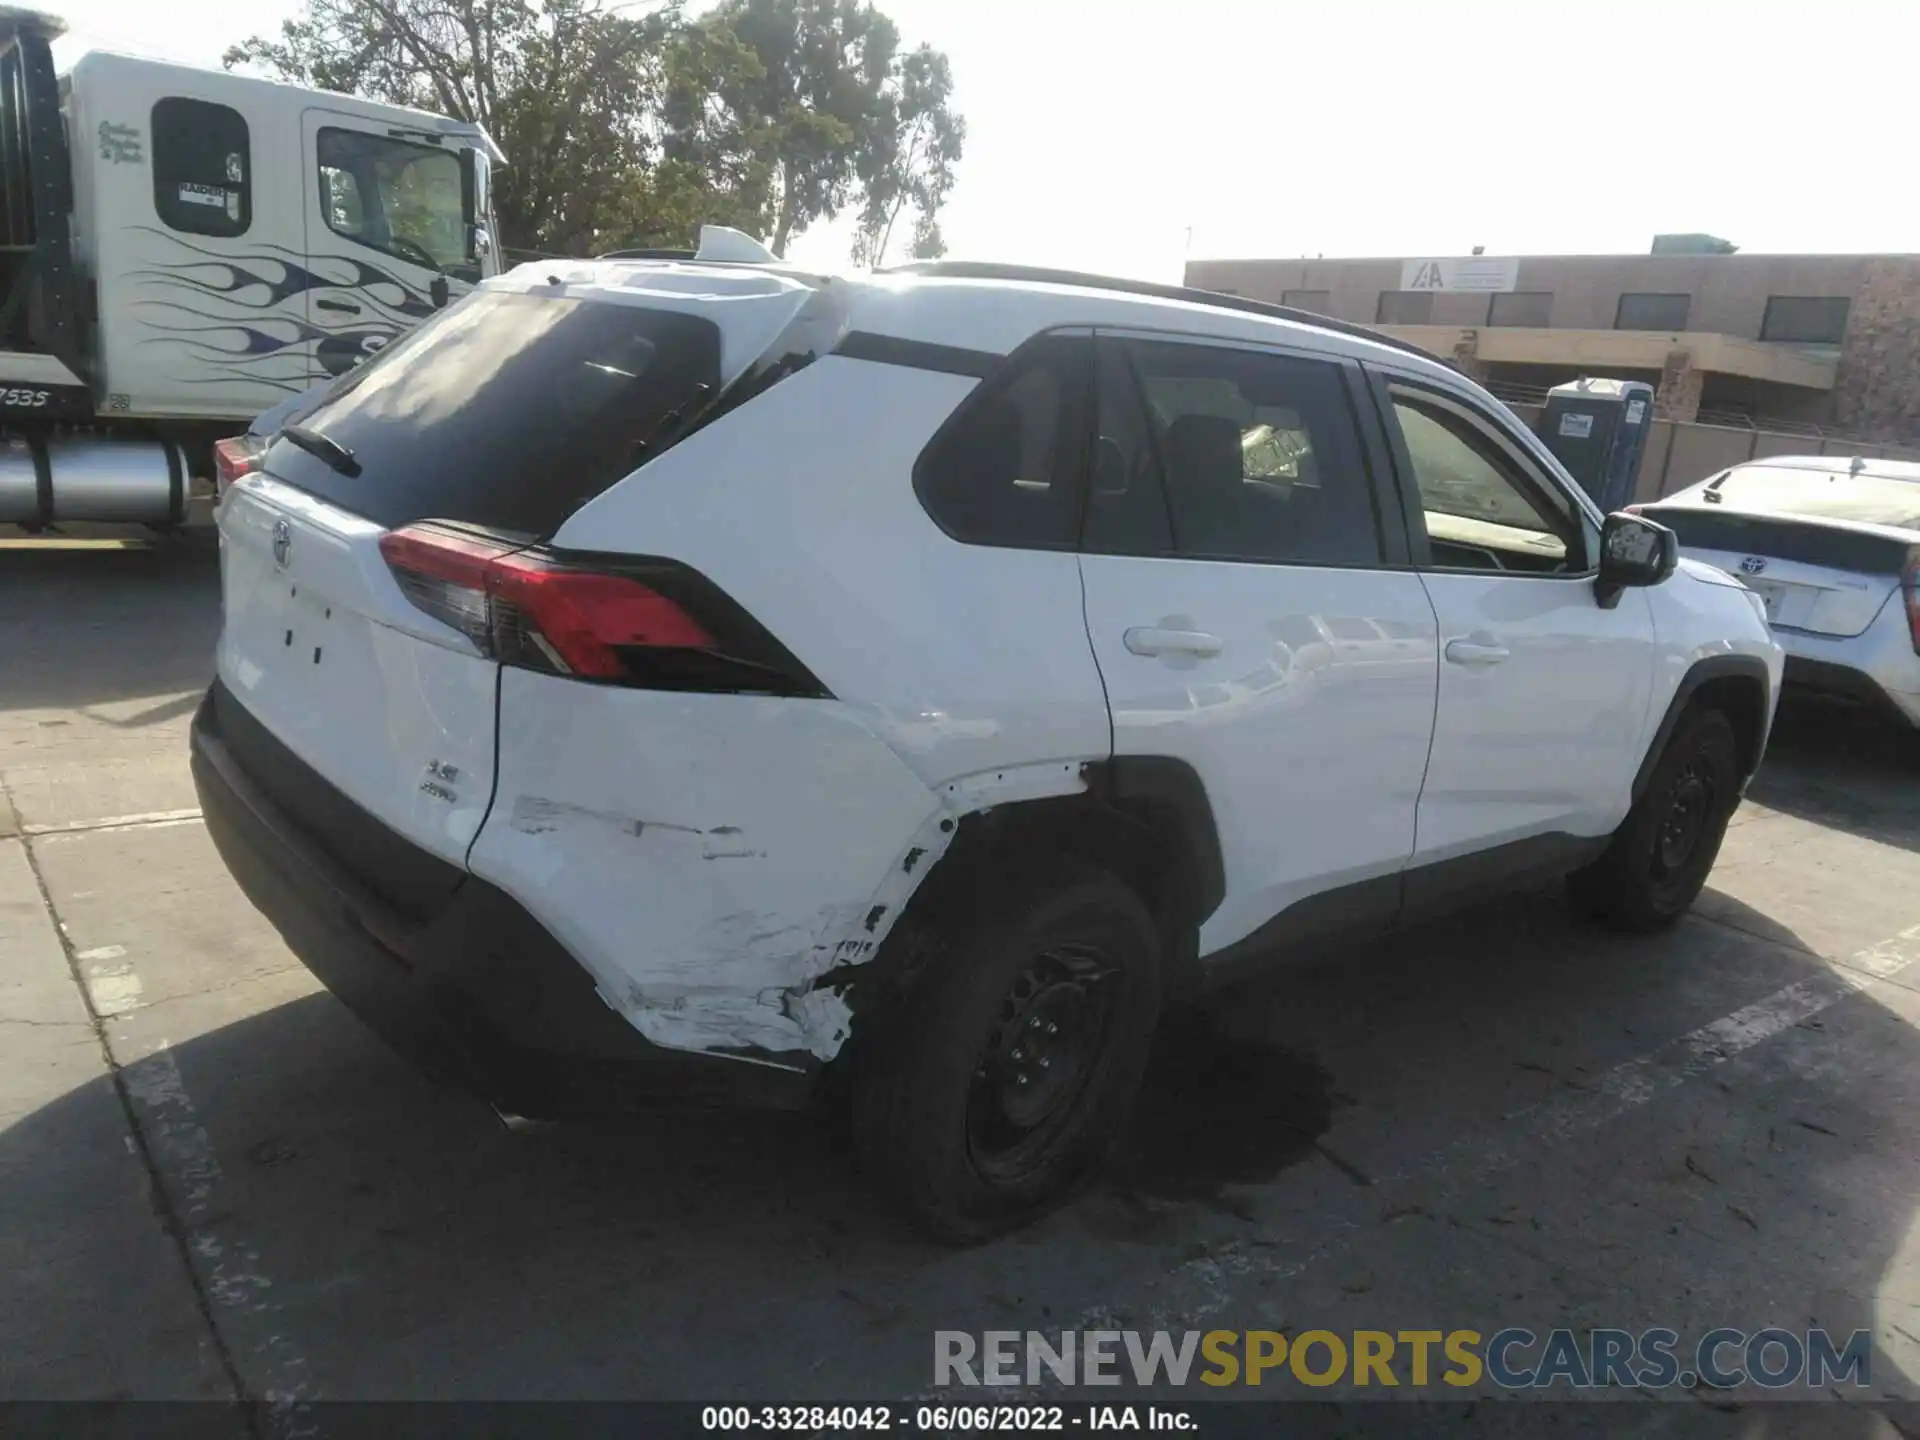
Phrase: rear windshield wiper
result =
(336, 456)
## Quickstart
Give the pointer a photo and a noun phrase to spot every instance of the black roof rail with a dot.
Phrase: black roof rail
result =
(1040, 275)
(646, 253)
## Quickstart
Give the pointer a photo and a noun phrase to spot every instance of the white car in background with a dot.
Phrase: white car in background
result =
(1831, 544)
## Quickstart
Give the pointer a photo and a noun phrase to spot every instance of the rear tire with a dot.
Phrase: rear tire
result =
(1007, 1072)
(1661, 855)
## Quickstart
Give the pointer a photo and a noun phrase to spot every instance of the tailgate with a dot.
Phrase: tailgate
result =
(1800, 596)
(319, 645)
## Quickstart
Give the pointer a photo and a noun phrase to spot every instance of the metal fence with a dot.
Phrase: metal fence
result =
(1682, 452)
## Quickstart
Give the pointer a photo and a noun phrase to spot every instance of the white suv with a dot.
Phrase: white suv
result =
(681, 679)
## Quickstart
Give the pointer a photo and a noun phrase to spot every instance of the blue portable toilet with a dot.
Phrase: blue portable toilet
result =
(1598, 429)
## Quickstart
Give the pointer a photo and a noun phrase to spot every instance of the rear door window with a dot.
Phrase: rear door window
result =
(1228, 454)
(508, 410)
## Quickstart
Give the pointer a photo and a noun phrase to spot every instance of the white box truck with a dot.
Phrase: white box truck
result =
(181, 249)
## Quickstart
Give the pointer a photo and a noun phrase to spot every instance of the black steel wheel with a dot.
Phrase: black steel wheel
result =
(1660, 857)
(1007, 1074)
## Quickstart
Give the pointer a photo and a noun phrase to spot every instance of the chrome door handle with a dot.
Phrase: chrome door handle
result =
(1475, 652)
(1151, 640)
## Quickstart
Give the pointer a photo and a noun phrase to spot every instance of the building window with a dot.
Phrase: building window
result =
(201, 166)
(1805, 319)
(1405, 307)
(1652, 312)
(1522, 307)
(1319, 302)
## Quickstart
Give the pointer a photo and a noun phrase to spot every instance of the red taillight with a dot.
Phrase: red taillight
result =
(1910, 584)
(581, 619)
(236, 456)
(534, 610)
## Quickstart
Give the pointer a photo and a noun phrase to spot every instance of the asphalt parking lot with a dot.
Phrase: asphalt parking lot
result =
(214, 1181)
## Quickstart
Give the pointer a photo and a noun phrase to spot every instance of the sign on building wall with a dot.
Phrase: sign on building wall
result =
(1475, 272)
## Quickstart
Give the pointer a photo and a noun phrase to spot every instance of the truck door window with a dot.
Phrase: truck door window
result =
(202, 168)
(397, 197)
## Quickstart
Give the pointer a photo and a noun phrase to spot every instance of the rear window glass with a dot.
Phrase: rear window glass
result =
(1818, 494)
(507, 410)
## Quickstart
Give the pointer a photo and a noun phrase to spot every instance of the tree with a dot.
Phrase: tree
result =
(565, 89)
(631, 128)
(805, 107)
(909, 160)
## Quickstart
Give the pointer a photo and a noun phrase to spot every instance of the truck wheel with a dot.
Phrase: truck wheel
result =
(1665, 848)
(1008, 1071)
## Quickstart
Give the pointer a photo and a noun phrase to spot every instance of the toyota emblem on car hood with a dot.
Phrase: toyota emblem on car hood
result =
(1752, 565)
(282, 542)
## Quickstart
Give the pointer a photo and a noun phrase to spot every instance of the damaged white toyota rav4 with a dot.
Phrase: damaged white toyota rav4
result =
(671, 679)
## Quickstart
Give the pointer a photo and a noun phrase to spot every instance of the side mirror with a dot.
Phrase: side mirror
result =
(1633, 551)
(482, 243)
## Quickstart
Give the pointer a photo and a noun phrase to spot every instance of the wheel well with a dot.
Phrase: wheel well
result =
(1151, 827)
(1743, 700)
(1735, 685)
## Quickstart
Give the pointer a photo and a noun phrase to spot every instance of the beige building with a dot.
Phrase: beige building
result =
(1831, 341)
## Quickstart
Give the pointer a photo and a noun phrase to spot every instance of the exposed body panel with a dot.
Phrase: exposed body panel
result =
(704, 857)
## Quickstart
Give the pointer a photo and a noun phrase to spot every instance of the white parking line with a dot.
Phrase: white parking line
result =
(1205, 1286)
(235, 1281)
(179, 1153)
(114, 822)
(145, 820)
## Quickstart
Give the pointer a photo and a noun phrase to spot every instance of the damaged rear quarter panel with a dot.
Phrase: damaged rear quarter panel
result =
(706, 857)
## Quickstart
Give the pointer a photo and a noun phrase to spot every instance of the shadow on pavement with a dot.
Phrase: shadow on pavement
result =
(1847, 771)
(416, 1246)
(80, 628)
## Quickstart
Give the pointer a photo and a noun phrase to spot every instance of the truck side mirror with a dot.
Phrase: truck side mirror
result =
(438, 292)
(1634, 551)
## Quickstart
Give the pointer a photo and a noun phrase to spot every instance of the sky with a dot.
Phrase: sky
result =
(1123, 138)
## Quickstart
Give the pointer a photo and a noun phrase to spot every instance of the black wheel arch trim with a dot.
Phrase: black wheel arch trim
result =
(1713, 667)
(1174, 787)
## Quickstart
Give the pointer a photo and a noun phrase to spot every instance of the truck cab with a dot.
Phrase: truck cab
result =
(181, 249)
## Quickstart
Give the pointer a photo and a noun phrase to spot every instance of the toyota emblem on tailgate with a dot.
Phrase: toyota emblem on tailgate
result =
(282, 542)
(1752, 565)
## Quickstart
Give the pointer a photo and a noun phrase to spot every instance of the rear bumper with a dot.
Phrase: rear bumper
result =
(478, 993)
(1876, 670)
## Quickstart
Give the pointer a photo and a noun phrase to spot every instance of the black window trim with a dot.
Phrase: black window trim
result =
(1382, 381)
(246, 182)
(917, 358)
(467, 217)
(1395, 553)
